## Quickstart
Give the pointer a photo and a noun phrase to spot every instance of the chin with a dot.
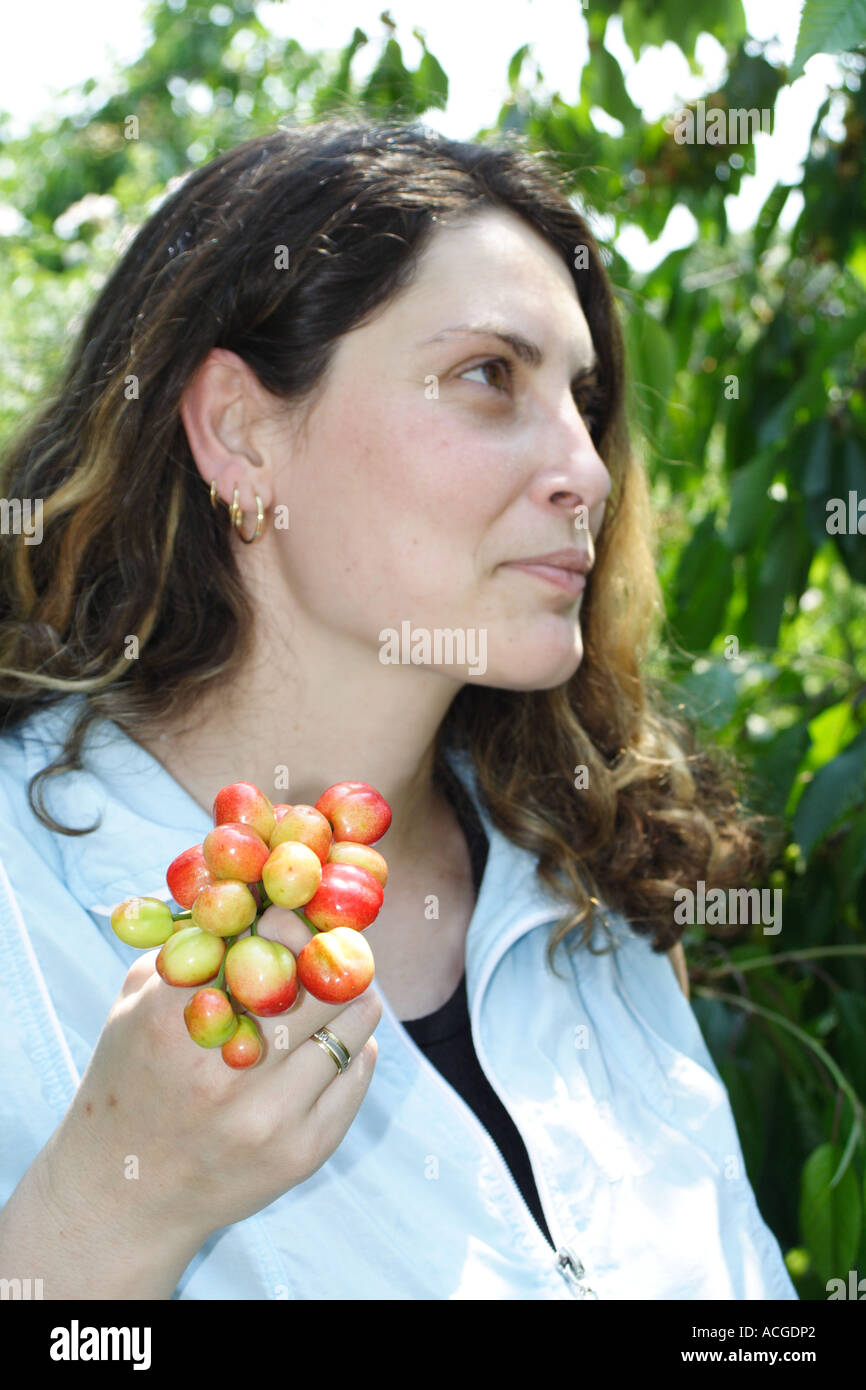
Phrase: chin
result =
(533, 664)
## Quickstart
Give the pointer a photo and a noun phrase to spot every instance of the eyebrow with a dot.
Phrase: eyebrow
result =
(523, 348)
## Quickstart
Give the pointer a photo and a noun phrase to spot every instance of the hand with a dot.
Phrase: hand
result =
(210, 1145)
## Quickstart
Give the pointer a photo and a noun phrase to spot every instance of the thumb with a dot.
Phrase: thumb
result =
(283, 925)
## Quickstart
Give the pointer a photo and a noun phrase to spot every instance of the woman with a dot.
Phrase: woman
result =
(395, 358)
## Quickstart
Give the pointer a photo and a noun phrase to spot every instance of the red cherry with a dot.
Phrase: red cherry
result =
(348, 896)
(233, 850)
(187, 875)
(329, 799)
(210, 1019)
(262, 975)
(291, 874)
(243, 803)
(246, 1047)
(308, 826)
(336, 966)
(356, 811)
(190, 957)
(224, 908)
(365, 856)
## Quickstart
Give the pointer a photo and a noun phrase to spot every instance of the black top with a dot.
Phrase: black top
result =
(445, 1037)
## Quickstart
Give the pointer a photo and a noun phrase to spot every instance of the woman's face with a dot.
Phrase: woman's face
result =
(436, 457)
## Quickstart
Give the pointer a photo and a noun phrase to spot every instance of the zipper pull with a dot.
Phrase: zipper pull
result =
(572, 1270)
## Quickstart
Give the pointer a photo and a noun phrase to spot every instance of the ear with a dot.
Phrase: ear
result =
(219, 407)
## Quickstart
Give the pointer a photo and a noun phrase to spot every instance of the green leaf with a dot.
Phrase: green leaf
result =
(702, 586)
(850, 472)
(828, 26)
(816, 473)
(830, 1218)
(515, 65)
(836, 343)
(777, 762)
(602, 84)
(431, 82)
(831, 731)
(334, 94)
(710, 696)
(833, 791)
(656, 22)
(641, 28)
(817, 478)
(851, 869)
(651, 368)
(750, 504)
(780, 574)
(767, 219)
(851, 1009)
(390, 85)
(748, 1112)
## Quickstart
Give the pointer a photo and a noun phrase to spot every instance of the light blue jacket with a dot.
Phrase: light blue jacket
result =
(604, 1071)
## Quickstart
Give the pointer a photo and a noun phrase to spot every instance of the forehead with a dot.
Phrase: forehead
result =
(490, 265)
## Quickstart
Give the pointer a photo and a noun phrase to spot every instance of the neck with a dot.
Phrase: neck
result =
(294, 728)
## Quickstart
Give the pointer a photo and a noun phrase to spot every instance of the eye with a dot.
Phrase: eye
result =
(589, 394)
(589, 397)
(497, 364)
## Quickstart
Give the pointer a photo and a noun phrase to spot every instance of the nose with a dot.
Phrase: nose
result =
(579, 482)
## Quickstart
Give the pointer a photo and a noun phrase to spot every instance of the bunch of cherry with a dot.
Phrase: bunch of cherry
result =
(317, 860)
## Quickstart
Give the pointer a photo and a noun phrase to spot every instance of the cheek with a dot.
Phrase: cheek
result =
(385, 487)
(387, 511)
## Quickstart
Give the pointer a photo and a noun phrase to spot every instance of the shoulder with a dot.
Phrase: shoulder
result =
(461, 763)
(19, 760)
(35, 740)
(28, 848)
(638, 956)
(27, 749)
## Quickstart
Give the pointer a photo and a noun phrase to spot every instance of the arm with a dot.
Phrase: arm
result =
(59, 1191)
(53, 1229)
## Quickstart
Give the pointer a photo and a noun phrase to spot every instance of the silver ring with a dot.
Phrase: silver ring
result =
(335, 1049)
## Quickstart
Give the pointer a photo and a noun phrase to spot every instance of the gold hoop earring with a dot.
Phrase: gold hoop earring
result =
(237, 519)
(236, 515)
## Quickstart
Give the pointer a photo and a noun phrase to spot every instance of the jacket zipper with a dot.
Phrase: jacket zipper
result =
(567, 1263)
(571, 1268)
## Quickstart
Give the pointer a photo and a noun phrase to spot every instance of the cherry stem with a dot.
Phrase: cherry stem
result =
(265, 902)
(300, 913)
(181, 916)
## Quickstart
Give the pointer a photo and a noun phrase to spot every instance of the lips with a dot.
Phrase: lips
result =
(570, 580)
(578, 561)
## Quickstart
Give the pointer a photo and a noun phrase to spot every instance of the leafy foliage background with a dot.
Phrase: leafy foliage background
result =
(748, 361)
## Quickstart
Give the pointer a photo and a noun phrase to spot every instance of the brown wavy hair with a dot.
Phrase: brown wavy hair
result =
(129, 532)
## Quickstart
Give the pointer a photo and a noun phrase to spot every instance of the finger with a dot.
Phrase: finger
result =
(341, 1099)
(281, 924)
(287, 1031)
(139, 973)
(310, 1068)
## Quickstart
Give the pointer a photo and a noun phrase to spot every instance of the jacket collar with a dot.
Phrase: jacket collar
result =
(147, 819)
